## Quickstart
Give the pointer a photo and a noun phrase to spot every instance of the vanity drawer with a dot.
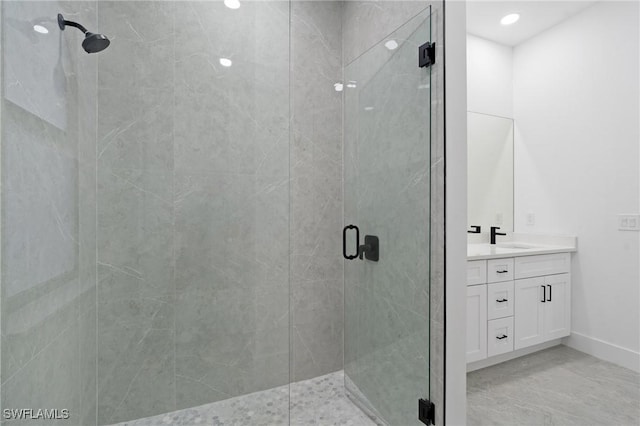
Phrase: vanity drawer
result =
(476, 272)
(500, 300)
(545, 264)
(499, 270)
(500, 336)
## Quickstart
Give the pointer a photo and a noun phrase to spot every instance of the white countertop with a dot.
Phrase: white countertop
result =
(515, 245)
(489, 251)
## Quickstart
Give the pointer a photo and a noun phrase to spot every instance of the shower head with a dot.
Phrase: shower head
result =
(95, 42)
(92, 42)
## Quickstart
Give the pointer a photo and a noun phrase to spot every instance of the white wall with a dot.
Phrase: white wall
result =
(455, 213)
(489, 91)
(489, 77)
(577, 164)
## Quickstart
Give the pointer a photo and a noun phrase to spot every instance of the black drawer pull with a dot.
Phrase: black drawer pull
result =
(544, 294)
(504, 336)
(549, 299)
(502, 272)
(501, 300)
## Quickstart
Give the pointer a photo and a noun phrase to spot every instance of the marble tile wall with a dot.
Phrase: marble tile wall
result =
(193, 207)
(316, 189)
(136, 287)
(48, 212)
(231, 200)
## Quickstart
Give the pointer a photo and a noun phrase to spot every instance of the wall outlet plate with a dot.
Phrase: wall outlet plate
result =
(531, 219)
(629, 222)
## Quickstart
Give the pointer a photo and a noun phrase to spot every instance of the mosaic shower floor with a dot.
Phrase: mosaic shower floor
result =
(319, 401)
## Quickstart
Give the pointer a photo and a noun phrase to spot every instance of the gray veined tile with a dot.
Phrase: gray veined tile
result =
(557, 386)
(260, 33)
(135, 129)
(230, 122)
(142, 45)
(139, 380)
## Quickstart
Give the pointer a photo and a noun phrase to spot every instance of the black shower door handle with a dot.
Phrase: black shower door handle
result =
(344, 242)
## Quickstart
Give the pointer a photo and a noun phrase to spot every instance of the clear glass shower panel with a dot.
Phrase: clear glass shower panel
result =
(48, 115)
(387, 154)
(145, 211)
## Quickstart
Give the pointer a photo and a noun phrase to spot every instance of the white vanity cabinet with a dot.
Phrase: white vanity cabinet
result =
(543, 309)
(519, 302)
(476, 323)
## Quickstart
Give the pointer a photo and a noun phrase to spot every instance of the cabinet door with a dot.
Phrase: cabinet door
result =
(476, 323)
(557, 309)
(529, 312)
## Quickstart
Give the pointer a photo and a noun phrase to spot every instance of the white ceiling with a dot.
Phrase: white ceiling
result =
(483, 18)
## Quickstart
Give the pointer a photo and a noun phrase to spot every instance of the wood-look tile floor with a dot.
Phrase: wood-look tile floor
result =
(557, 386)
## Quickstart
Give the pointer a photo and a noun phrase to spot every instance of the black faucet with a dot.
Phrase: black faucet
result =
(494, 233)
(476, 230)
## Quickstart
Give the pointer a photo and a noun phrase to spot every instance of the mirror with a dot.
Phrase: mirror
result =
(490, 171)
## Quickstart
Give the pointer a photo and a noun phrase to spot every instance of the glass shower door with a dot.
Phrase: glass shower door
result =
(387, 151)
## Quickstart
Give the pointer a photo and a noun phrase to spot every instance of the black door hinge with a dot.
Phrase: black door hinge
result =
(426, 412)
(427, 54)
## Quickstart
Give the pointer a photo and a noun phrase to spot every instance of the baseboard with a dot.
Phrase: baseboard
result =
(604, 350)
(483, 363)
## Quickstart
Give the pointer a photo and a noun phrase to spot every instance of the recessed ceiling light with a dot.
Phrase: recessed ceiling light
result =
(391, 44)
(338, 87)
(509, 19)
(232, 4)
(369, 108)
(225, 62)
(351, 84)
(40, 29)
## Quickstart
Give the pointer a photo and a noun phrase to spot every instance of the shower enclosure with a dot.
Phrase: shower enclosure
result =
(387, 167)
(172, 212)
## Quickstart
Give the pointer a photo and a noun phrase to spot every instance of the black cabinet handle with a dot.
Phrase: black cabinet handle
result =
(504, 336)
(502, 272)
(549, 299)
(544, 294)
(344, 242)
(501, 300)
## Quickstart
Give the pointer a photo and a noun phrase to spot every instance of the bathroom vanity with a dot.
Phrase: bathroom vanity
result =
(518, 297)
